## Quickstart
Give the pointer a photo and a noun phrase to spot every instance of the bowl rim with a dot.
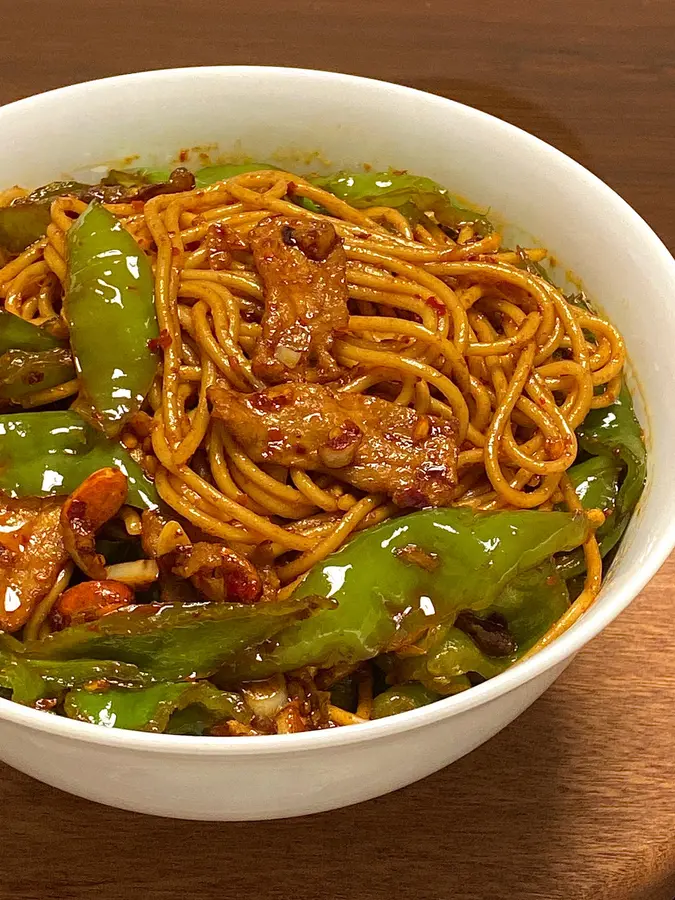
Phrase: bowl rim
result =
(518, 675)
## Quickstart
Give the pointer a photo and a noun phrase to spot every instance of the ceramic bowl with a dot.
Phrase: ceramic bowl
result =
(308, 118)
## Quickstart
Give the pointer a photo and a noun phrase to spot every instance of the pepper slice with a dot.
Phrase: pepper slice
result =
(132, 178)
(389, 601)
(451, 655)
(31, 359)
(43, 454)
(152, 708)
(597, 482)
(613, 478)
(413, 195)
(30, 680)
(175, 640)
(110, 310)
(402, 698)
(18, 334)
(615, 431)
(25, 221)
(23, 373)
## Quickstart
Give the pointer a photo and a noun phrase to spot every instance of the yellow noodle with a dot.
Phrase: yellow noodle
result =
(50, 395)
(38, 617)
(330, 543)
(312, 491)
(450, 328)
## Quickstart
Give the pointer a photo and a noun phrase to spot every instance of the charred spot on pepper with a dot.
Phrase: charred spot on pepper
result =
(491, 634)
(418, 556)
(46, 704)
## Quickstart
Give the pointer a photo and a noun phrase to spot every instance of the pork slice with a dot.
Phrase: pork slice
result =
(32, 553)
(302, 265)
(367, 442)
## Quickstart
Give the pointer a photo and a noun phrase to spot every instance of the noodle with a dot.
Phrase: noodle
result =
(39, 615)
(451, 328)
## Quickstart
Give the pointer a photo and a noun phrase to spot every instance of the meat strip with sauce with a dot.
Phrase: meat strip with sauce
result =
(302, 267)
(32, 553)
(370, 443)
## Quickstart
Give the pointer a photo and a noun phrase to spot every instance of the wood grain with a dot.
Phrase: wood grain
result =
(575, 800)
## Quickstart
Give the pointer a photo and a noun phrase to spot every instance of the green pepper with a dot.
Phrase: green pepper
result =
(23, 373)
(154, 708)
(110, 310)
(344, 693)
(21, 226)
(29, 680)
(18, 334)
(613, 478)
(451, 655)
(31, 358)
(413, 195)
(385, 600)
(402, 698)
(529, 265)
(175, 640)
(48, 192)
(25, 221)
(597, 483)
(52, 452)
(194, 720)
(136, 177)
(530, 604)
(615, 431)
(211, 174)
(203, 177)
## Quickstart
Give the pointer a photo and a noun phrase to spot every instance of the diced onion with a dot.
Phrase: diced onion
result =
(266, 698)
(139, 574)
(338, 458)
(287, 357)
(171, 537)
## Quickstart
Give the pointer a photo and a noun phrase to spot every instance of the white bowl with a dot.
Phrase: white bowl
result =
(259, 111)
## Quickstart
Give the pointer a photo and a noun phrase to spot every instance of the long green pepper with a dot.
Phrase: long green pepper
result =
(383, 600)
(49, 453)
(110, 310)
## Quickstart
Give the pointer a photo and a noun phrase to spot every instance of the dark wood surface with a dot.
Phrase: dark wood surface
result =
(575, 800)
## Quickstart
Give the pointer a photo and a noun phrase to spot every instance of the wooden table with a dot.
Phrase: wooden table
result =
(576, 799)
